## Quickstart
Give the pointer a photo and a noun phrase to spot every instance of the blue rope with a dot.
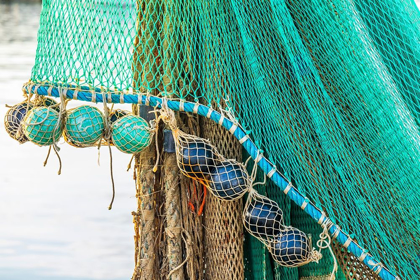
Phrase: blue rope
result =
(86, 94)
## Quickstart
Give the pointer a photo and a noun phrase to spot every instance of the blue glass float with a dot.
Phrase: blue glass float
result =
(84, 126)
(49, 102)
(229, 180)
(131, 134)
(262, 217)
(290, 248)
(13, 121)
(41, 126)
(197, 158)
(116, 115)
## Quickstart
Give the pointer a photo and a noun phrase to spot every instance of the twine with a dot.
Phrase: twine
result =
(188, 246)
(107, 136)
(325, 242)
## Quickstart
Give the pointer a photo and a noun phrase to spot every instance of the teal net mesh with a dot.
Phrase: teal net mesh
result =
(328, 89)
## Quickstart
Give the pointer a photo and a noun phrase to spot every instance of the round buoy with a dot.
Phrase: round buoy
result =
(13, 121)
(290, 248)
(131, 134)
(84, 126)
(229, 181)
(197, 159)
(263, 217)
(41, 126)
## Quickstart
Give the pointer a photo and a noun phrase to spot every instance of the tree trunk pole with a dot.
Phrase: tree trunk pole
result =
(170, 174)
(144, 80)
(173, 212)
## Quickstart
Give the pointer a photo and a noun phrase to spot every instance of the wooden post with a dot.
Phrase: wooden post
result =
(170, 172)
(144, 79)
(173, 212)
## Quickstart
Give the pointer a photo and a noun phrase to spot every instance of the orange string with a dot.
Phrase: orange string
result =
(200, 210)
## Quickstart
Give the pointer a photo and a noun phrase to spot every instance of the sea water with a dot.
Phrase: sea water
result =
(56, 227)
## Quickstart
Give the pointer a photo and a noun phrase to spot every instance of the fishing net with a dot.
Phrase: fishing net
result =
(327, 89)
(223, 235)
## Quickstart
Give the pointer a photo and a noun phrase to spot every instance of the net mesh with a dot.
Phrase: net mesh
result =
(223, 235)
(328, 89)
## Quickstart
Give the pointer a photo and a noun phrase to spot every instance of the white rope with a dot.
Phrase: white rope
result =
(362, 257)
(244, 139)
(347, 243)
(75, 93)
(325, 242)
(271, 173)
(195, 109)
(259, 157)
(222, 117)
(148, 99)
(209, 113)
(233, 128)
(321, 219)
(287, 189)
(304, 204)
(377, 267)
(181, 105)
(336, 232)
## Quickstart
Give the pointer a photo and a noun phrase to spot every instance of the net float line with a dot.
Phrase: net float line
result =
(96, 95)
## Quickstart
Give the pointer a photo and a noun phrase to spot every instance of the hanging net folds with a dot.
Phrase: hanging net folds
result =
(327, 89)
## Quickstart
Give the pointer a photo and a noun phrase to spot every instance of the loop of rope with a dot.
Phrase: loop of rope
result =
(60, 121)
(377, 267)
(325, 242)
(188, 246)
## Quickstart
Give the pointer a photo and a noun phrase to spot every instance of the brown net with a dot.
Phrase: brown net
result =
(352, 268)
(193, 197)
(223, 219)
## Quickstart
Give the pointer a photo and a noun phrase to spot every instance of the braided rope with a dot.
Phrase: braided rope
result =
(95, 95)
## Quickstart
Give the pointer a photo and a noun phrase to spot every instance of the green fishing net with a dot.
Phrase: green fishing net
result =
(328, 89)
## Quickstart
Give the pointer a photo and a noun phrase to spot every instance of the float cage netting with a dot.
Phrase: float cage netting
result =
(328, 90)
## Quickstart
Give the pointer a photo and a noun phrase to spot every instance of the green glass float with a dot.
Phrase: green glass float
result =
(114, 116)
(41, 126)
(84, 126)
(131, 134)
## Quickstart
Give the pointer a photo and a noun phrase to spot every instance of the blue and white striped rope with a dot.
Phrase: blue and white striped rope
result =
(96, 95)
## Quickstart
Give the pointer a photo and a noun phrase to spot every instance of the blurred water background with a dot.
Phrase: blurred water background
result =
(56, 227)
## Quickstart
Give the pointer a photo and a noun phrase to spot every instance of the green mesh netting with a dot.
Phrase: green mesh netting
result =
(329, 89)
